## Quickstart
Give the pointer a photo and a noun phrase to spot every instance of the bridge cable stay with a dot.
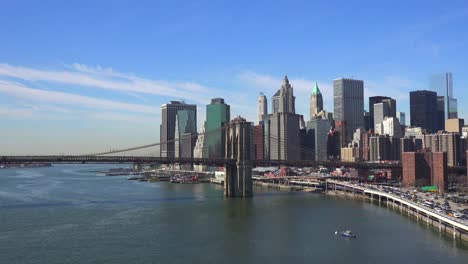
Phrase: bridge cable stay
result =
(212, 131)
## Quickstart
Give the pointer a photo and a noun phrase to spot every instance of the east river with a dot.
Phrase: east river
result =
(68, 214)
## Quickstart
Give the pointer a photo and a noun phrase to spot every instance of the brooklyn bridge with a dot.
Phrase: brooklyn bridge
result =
(238, 161)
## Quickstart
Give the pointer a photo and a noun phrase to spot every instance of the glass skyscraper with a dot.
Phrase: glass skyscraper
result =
(217, 115)
(176, 116)
(423, 110)
(442, 84)
(348, 97)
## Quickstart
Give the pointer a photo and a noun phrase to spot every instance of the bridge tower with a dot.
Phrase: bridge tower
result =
(239, 147)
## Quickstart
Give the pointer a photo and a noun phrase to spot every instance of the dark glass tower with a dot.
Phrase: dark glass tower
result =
(186, 122)
(348, 97)
(218, 114)
(423, 109)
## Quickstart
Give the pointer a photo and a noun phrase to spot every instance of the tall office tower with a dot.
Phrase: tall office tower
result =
(372, 101)
(367, 121)
(316, 102)
(284, 139)
(284, 125)
(401, 118)
(333, 144)
(185, 134)
(440, 115)
(318, 129)
(382, 148)
(284, 101)
(381, 110)
(442, 84)
(302, 124)
(423, 108)
(425, 168)
(218, 114)
(188, 122)
(306, 143)
(391, 106)
(348, 95)
(262, 108)
(386, 108)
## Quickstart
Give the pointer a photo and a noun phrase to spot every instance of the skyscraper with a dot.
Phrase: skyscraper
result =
(318, 130)
(348, 107)
(442, 84)
(381, 110)
(217, 115)
(185, 133)
(284, 136)
(440, 117)
(381, 107)
(262, 108)
(284, 101)
(283, 125)
(391, 106)
(423, 109)
(186, 120)
(316, 101)
(401, 118)
(372, 101)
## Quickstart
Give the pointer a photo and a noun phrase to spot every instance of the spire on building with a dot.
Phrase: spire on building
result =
(316, 89)
(286, 80)
(316, 103)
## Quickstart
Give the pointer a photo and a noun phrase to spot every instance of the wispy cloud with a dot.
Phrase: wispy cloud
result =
(106, 78)
(68, 99)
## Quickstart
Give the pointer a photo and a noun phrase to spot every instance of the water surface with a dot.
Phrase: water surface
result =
(67, 214)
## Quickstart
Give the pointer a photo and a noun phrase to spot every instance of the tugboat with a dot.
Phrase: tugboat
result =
(348, 234)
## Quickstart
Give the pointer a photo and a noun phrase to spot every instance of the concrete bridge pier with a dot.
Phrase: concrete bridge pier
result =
(239, 147)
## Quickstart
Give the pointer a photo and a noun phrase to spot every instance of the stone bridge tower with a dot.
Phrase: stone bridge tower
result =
(239, 147)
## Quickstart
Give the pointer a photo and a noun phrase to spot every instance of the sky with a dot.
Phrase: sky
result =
(81, 77)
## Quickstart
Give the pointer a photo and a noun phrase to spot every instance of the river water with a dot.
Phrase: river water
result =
(68, 214)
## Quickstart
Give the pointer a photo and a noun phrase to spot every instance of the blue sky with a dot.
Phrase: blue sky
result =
(85, 76)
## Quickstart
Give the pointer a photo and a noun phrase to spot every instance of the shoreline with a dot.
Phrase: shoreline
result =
(442, 228)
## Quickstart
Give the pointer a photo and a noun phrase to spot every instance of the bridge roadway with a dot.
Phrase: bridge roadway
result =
(203, 161)
(110, 159)
(459, 227)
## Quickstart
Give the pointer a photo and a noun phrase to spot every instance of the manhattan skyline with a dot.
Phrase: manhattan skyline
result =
(102, 81)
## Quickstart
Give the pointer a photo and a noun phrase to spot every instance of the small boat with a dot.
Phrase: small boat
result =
(348, 234)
